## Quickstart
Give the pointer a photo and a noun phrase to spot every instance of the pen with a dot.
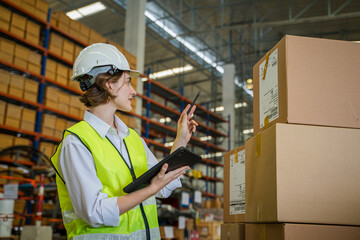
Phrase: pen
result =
(192, 104)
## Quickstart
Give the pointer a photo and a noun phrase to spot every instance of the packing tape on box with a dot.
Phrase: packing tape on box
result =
(262, 231)
(258, 145)
(236, 217)
(228, 229)
(236, 156)
(266, 121)
(266, 65)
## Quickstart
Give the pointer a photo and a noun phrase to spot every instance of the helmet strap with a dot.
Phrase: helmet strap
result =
(85, 84)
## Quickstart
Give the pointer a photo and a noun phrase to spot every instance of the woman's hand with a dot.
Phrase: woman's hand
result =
(162, 178)
(185, 127)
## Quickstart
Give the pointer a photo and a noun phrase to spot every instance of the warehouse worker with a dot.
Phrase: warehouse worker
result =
(100, 155)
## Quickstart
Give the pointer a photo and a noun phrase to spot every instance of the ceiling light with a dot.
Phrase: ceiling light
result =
(169, 144)
(248, 131)
(74, 15)
(249, 80)
(171, 72)
(249, 86)
(86, 11)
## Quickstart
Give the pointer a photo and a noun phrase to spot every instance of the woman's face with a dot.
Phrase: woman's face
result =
(123, 92)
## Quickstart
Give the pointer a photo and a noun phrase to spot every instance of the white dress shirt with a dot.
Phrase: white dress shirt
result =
(77, 168)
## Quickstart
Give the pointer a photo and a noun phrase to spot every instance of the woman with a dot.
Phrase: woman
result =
(100, 155)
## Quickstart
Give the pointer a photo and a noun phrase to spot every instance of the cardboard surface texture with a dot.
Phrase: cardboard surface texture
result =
(234, 213)
(232, 231)
(317, 83)
(288, 231)
(303, 174)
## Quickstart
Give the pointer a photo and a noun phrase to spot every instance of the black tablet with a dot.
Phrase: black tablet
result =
(179, 158)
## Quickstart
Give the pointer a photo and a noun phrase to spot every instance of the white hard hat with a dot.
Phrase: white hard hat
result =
(100, 58)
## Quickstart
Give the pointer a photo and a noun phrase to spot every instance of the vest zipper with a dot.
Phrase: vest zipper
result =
(131, 169)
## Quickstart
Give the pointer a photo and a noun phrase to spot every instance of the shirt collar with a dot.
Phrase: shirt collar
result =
(102, 128)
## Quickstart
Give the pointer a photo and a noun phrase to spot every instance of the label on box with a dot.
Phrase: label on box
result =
(181, 222)
(197, 197)
(237, 183)
(11, 190)
(268, 88)
(185, 199)
(169, 232)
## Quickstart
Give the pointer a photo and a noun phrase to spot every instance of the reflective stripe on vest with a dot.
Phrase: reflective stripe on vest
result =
(114, 175)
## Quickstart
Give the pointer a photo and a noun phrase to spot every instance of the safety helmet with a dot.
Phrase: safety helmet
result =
(100, 58)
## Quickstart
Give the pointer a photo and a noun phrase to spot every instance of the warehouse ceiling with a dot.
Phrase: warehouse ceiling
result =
(225, 31)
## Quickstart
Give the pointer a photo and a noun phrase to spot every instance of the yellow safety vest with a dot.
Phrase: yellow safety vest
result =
(114, 175)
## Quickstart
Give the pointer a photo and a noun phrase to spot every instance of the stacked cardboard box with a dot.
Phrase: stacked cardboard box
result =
(51, 97)
(48, 125)
(2, 112)
(6, 141)
(171, 232)
(301, 167)
(16, 86)
(5, 18)
(13, 115)
(68, 50)
(18, 25)
(21, 56)
(31, 90)
(232, 231)
(4, 81)
(22, 141)
(7, 49)
(50, 71)
(62, 76)
(209, 230)
(28, 118)
(56, 44)
(32, 33)
(60, 126)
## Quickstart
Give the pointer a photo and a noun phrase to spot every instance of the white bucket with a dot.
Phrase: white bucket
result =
(6, 216)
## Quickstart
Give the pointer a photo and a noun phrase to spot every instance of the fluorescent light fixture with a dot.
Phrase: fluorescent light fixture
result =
(144, 79)
(171, 72)
(163, 120)
(248, 131)
(211, 155)
(356, 41)
(169, 144)
(74, 15)
(187, 44)
(239, 105)
(205, 138)
(86, 11)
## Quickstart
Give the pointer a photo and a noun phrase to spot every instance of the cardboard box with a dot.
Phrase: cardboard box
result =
(65, 97)
(17, 81)
(31, 86)
(234, 185)
(17, 92)
(13, 111)
(22, 141)
(4, 25)
(62, 70)
(21, 52)
(21, 63)
(30, 96)
(56, 40)
(6, 57)
(68, 46)
(34, 68)
(29, 126)
(12, 122)
(7, 46)
(303, 174)
(4, 88)
(51, 104)
(288, 231)
(4, 77)
(40, 14)
(212, 229)
(63, 107)
(55, 49)
(28, 115)
(48, 131)
(52, 93)
(232, 231)
(29, 7)
(2, 107)
(62, 80)
(18, 21)
(50, 75)
(6, 141)
(34, 58)
(68, 55)
(32, 38)
(33, 28)
(30, 2)
(51, 65)
(5, 14)
(41, 5)
(308, 81)
(49, 121)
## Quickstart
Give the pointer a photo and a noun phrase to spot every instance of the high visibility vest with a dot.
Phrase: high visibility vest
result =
(114, 175)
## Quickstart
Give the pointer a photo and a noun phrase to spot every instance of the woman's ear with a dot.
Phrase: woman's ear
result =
(109, 85)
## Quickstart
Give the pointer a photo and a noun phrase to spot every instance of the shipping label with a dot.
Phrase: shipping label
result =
(268, 89)
(237, 183)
